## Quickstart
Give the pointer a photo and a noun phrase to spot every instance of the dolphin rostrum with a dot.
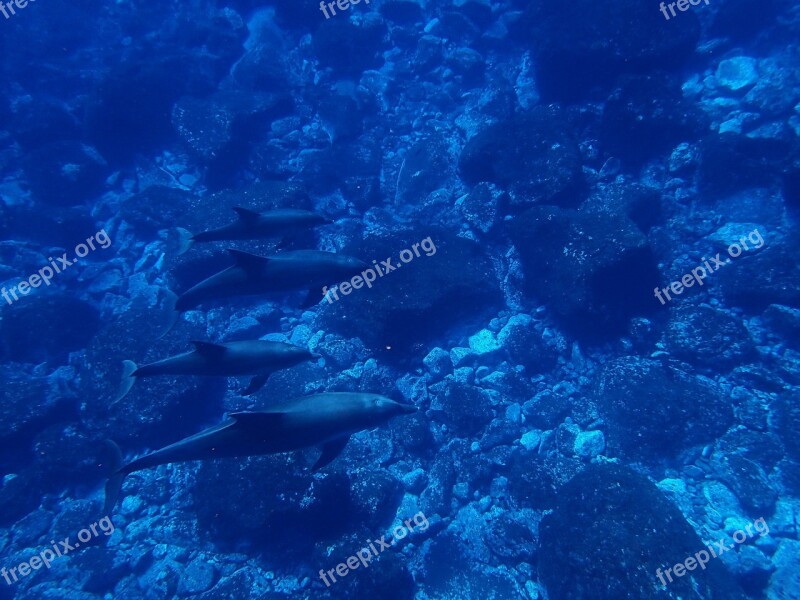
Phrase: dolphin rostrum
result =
(251, 357)
(285, 272)
(326, 420)
(252, 225)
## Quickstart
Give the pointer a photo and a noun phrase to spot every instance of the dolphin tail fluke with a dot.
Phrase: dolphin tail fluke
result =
(171, 303)
(128, 379)
(114, 483)
(186, 239)
(256, 383)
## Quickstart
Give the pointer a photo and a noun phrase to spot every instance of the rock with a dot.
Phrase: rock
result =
(653, 410)
(589, 444)
(730, 162)
(415, 481)
(65, 173)
(531, 440)
(601, 510)
(733, 233)
(512, 537)
(785, 581)
(467, 63)
(414, 303)
(425, 167)
(546, 410)
(750, 483)
(350, 49)
(459, 566)
(784, 321)
(533, 155)
(218, 125)
(131, 110)
(708, 336)
(735, 74)
(402, 12)
(754, 281)
(480, 206)
(46, 326)
(642, 205)
(150, 209)
(580, 264)
(534, 479)
(465, 409)
(647, 116)
(484, 343)
(197, 577)
(582, 45)
(38, 121)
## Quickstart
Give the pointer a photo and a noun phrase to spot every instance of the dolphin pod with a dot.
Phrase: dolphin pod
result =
(251, 357)
(326, 420)
(252, 225)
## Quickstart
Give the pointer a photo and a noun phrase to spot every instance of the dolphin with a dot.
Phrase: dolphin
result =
(251, 357)
(326, 420)
(252, 225)
(284, 272)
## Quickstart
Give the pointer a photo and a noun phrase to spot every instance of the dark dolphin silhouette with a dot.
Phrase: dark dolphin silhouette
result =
(252, 225)
(285, 272)
(251, 357)
(326, 420)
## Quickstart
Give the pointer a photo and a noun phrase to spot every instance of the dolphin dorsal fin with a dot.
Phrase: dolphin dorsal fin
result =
(247, 260)
(257, 421)
(245, 214)
(208, 348)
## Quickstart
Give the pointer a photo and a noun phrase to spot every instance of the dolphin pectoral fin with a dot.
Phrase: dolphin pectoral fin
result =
(245, 214)
(114, 483)
(208, 349)
(247, 261)
(128, 379)
(256, 383)
(329, 452)
(171, 302)
(186, 239)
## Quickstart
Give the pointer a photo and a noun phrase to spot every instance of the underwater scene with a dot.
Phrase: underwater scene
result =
(400, 299)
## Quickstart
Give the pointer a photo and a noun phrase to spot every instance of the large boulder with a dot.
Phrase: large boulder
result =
(646, 116)
(610, 535)
(582, 45)
(404, 309)
(533, 155)
(655, 410)
(594, 270)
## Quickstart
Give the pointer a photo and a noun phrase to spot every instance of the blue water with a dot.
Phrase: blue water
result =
(556, 278)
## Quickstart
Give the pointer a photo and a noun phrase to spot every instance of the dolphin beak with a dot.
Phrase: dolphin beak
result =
(407, 409)
(316, 356)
